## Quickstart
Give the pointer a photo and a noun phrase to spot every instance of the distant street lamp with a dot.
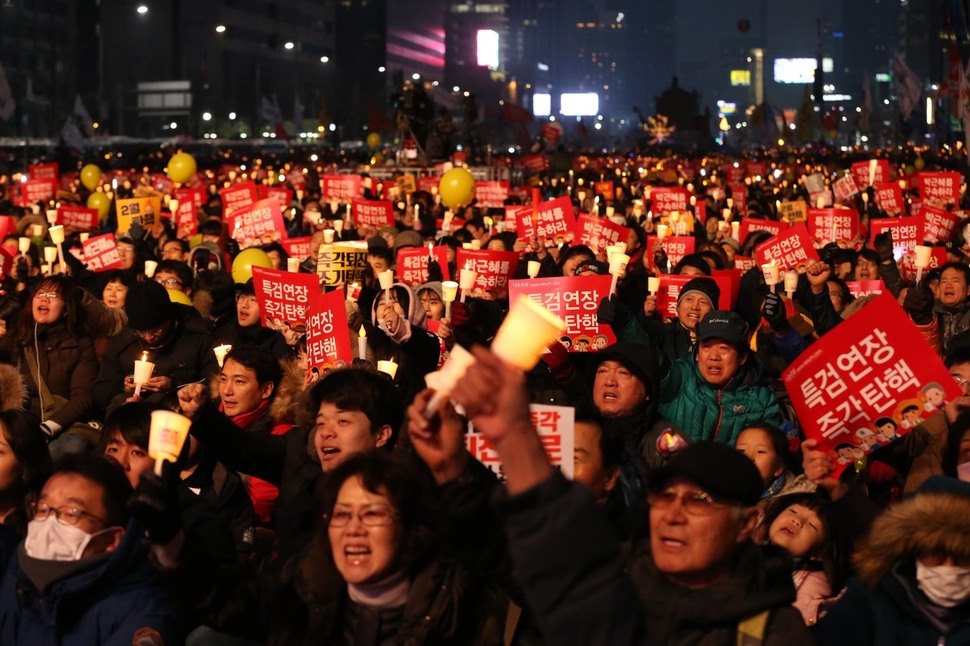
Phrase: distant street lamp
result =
(288, 45)
(142, 9)
(220, 29)
(324, 59)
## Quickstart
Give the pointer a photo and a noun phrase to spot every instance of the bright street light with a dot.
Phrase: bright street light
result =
(324, 59)
(288, 45)
(206, 116)
(220, 29)
(142, 9)
(232, 115)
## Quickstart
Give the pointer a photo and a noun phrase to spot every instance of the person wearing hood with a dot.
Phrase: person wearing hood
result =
(58, 363)
(718, 391)
(675, 338)
(247, 328)
(400, 318)
(914, 574)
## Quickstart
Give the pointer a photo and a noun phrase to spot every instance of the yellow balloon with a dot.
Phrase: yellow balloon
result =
(242, 265)
(181, 167)
(90, 176)
(176, 296)
(919, 164)
(373, 140)
(100, 202)
(457, 188)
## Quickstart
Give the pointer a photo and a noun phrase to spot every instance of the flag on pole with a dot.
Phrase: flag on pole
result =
(908, 86)
(82, 113)
(7, 104)
(951, 80)
(72, 136)
(297, 114)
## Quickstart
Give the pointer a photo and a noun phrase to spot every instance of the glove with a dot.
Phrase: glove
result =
(155, 505)
(613, 313)
(558, 360)
(774, 310)
(460, 315)
(919, 305)
(21, 271)
(883, 244)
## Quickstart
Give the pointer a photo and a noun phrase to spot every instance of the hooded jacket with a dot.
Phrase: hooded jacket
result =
(885, 605)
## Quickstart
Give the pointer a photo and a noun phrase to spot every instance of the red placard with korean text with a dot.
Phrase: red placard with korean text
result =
(8, 226)
(743, 263)
(844, 188)
(907, 233)
(282, 194)
(555, 221)
(556, 428)
(733, 173)
(297, 247)
(792, 249)
(939, 187)
(6, 262)
(37, 190)
(889, 198)
(870, 173)
(938, 224)
(236, 197)
(284, 296)
(535, 163)
(599, 233)
(373, 213)
(749, 225)
(79, 218)
(495, 269)
(865, 287)
(491, 194)
(833, 225)
(676, 247)
(185, 219)
(101, 253)
(671, 284)
(295, 178)
(667, 199)
(327, 334)
(341, 187)
(756, 169)
(257, 224)
(162, 184)
(907, 264)
(605, 189)
(575, 300)
(867, 382)
(412, 264)
(43, 171)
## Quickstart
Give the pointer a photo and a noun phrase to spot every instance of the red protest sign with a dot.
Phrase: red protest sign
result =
(412, 264)
(43, 171)
(327, 334)
(284, 296)
(554, 221)
(739, 193)
(495, 269)
(867, 382)
(938, 224)
(37, 190)
(599, 233)
(889, 198)
(101, 253)
(750, 225)
(373, 213)
(743, 263)
(756, 169)
(575, 300)
(341, 187)
(237, 197)
(257, 224)
(907, 233)
(844, 188)
(428, 183)
(6, 262)
(870, 173)
(907, 264)
(161, 183)
(297, 247)
(734, 173)
(295, 178)
(939, 187)
(668, 199)
(8, 226)
(605, 189)
(671, 284)
(734, 276)
(865, 287)
(535, 163)
(792, 249)
(79, 218)
(676, 247)
(492, 195)
(281, 194)
(833, 225)
(185, 219)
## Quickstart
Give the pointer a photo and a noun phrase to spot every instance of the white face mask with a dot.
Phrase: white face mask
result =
(52, 540)
(945, 585)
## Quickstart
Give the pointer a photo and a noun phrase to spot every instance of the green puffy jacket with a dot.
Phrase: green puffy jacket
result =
(708, 413)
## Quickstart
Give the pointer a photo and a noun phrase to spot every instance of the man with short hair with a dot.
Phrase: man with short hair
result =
(81, 576)
(175, 249)
(945, 319)
(174, 274)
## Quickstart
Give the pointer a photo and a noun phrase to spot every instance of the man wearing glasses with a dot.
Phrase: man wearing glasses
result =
(81, 572)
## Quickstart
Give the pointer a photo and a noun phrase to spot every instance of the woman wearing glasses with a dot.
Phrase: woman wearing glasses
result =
(56, 358)
(374, 574)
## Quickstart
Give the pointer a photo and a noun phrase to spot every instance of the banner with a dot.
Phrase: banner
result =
(236, 197)
(793, 212)
(791, 249)
(185, 219)
(939, 187)
(889, 198)
(345, 262)
(938, 224)
(101, 253)
(43, 171)
(599, 233)
(281, 194)
(37, 190)
(667, 199)
(297, 247)
(78, 218)
(373, 213)
(575, 300)
(907, 233)
(605, 189)
(284, 297)
(412, 264)
(554, 222)
(494, 268)
(907, 264)
(865, 287)
(535, 163)
(676, 247)
(144, 210)
(327, 334)
(870, 173)
(341, 187)
(257, 224)
(671, 284)
(750, 225)
(833, 225)
(492, 195)
(868, 382)
(556, 428)
(844, 188)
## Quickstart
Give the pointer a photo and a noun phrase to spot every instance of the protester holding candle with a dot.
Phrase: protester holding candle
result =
(402, 319)
(247, 327)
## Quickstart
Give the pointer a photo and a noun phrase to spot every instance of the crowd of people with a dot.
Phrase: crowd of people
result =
(345, 508)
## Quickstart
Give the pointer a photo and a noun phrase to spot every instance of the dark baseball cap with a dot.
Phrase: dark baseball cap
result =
(720, 470)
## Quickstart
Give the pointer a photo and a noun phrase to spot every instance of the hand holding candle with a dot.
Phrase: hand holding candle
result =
(922, 261)
(772, 275)
(389, 368)
(526, 332)
(444, 380)
(143, 372)
(387, 282)
(167, 436)
(362, 343)
(57, 237)
(791, 283)
(449, 289)
(618, 263)
(466, 280)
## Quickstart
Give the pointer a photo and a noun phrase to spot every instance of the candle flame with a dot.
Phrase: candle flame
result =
(144, 355)
(362, 332)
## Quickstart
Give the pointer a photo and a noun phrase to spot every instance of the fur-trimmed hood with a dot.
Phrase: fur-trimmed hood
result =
(283, 406)
(927, 522)
(13, 391)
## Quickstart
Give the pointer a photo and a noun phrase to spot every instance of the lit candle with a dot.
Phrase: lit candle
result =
(466, 280)
(791, 283)
(150, 267)
(166, 437)
(449, 289)
(143, 372)
(57, 237)
(388, 367)
(362, 343)
(221, 351)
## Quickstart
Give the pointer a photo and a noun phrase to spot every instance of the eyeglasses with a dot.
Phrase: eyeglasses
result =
(368, 516)
(170, 283)
(125, 249)
(695, 503)
(51, 296)
(64, 515)
(245, 298)
(961, 382)
(149, 334)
